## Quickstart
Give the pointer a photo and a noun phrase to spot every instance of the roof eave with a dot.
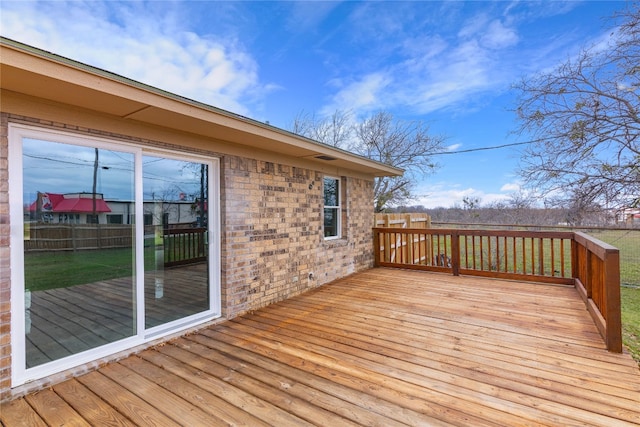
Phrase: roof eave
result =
(70, 82)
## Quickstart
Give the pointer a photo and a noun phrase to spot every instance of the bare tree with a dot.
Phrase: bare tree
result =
(402, 144)
(471, 205)
(585, 122)
(335, 130)
(518, 206)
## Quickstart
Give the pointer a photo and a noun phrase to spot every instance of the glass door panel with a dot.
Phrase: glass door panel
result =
(176, 281)
(78, 248)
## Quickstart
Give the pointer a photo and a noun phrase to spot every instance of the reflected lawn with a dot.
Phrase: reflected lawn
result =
(49, 270)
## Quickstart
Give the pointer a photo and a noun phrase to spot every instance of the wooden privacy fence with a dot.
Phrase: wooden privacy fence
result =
(185, 245)
(53, 237)
(536, 256)
(402, 220)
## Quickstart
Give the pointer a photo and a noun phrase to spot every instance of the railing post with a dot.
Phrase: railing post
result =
(407, 224)
(376, 248)
(541, 256)
(611, 266)
(575, 271)
(455, 253)
(588, 283)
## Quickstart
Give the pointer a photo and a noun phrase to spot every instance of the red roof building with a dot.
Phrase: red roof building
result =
(70, 203)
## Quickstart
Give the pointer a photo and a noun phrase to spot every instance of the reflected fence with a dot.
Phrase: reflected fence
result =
(64, 237)
(181, 243)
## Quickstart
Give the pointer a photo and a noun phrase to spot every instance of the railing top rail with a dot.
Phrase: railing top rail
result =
(471, 232)
(192, 230)
(596, 246)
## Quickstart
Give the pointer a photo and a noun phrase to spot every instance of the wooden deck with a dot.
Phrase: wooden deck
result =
(69, 320)
(384, 347)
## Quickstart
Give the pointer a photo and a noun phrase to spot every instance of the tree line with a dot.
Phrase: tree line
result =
(501, 213)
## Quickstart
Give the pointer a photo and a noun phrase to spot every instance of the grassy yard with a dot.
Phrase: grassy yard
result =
(628, 242)
(60, 269)
(631, 320)
(48, 270)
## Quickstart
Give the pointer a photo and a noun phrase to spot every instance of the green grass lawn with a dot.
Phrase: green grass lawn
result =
(628, 242)
(48, 270)
(630, 298)
(60, 269)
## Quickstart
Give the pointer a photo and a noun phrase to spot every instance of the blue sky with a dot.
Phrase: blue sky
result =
(450, 64)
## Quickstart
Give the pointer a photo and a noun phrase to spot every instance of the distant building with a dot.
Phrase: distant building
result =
(77, 208)
(630, 216)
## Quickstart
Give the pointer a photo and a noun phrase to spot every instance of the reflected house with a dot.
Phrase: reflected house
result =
(77, 208)
(200, 215)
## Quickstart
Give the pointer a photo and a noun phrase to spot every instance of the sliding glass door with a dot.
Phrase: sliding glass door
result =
(111, 246)
(176, 283)
(79, 282)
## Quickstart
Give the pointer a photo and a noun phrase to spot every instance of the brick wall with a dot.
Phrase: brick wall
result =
(272, 245)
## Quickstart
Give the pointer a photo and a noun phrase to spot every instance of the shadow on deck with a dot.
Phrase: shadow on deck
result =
(382, 347)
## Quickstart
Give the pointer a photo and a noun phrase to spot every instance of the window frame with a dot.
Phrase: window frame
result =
(337, 208)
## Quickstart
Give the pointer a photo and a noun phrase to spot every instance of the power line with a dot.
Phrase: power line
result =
(471, 150)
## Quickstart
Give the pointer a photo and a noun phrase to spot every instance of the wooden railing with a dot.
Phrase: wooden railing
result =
(537, 256)
(597, 278)
(184, 246)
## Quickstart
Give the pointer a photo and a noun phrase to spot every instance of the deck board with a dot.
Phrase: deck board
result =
(54, 410)
(383, 347)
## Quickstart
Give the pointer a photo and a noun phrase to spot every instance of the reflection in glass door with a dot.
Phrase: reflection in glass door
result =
(176, 280)
(110, 247)
(79, 285)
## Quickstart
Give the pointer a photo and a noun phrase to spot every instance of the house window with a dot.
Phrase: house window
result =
(114, 219)
(332, 222)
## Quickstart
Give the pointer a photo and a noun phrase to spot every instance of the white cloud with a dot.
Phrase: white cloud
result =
(448, 195)
(451, 79)
(491, 33)
(361, 95)
(473, 26)
(422, 48)
(423, 84)
(142, 41)
(511, 187)
(499, 36)
(433, 71)
(453, 147)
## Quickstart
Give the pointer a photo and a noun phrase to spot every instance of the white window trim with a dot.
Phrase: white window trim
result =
(338, 208)
(19, 373)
